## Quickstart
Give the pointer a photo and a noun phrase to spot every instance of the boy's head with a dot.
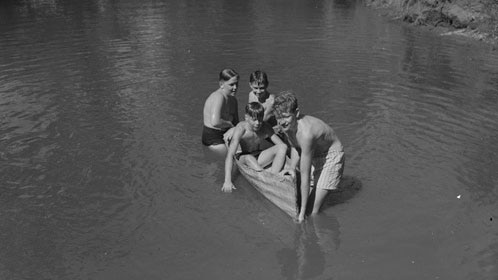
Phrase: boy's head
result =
(229, 80)
(285, 103)
(254, 114)
(258, 81)
(286, 110)
(258, 77)
(227, 74)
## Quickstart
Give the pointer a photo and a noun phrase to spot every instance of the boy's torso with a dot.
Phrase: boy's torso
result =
(228, 109)
(322, 135)
(267, 103)
(251, 140)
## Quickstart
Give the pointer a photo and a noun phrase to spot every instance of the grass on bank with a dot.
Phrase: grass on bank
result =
(476, 18)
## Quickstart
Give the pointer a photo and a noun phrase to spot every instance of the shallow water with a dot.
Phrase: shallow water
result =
(103, 175)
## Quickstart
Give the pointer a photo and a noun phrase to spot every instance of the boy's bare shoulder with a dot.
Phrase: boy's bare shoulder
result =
(311, 121)
(271, 98)
(240, 129)
(242, 125)
(307, 121)
(252, 97)
(310, 127)
(310, 118)
(215, 96)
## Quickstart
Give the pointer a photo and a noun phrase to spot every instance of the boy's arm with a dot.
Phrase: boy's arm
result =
(294, 158)
(269, 111)
(276, 139)
(227, 136)
(305, 169)
(234, 143)
(270, 133)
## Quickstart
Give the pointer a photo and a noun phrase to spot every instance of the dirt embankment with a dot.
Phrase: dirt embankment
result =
(477, 19)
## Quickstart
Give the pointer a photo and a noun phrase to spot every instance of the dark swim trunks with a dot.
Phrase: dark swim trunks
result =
(211, 136)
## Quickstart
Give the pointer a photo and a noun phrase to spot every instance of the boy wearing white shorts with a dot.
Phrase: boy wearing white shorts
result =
(313, 143)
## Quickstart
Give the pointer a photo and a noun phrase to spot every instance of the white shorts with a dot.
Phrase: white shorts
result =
(328, 169)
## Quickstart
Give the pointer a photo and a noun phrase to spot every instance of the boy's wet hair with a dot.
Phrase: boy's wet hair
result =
(255, 110)
(258, 77)
(285, 103)
(227, 74)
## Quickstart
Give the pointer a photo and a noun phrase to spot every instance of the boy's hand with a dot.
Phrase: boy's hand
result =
(228, 187)
(227, 137)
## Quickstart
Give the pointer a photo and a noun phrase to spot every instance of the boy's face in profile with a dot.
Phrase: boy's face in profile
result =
(259, 89)
(254, 122)
(231, 85)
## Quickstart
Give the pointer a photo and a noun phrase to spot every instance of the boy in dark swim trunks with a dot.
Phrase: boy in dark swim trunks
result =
(221, 112)
(250, 134)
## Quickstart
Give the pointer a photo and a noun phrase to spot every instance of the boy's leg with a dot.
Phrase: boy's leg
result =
(327, 175)
(220, 149)
(274, 155)
(279, 159)
(320, 195)
(251, 161)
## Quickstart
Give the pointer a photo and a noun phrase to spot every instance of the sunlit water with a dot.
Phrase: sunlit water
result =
(103, 175)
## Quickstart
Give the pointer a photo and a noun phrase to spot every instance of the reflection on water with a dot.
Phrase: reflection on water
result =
(317, 239)
(313, 240)
(103, 175)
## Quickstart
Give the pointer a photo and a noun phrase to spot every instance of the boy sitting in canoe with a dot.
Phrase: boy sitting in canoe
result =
(312, 142)
(250, 134)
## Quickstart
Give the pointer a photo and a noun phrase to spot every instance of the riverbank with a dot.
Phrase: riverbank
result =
(476, 19)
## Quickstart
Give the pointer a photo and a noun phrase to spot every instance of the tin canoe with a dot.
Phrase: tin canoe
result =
(281, 190)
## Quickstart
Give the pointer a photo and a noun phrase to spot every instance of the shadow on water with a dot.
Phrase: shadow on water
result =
(347, 189)
(314, 239)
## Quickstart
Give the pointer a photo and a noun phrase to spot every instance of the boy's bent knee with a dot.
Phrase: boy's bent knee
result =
(251, 161)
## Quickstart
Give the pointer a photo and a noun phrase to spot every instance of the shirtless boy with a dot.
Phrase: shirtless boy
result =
(250, 134)
(313, 142)
(221, 112)
(258, 81)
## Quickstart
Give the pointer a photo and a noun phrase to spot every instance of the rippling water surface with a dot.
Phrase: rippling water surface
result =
(103, 175)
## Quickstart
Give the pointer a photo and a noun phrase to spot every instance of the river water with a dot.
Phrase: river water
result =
(103, 175)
